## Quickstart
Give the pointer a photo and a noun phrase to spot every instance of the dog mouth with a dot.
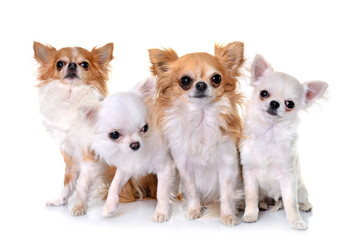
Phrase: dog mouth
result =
(272, 112)
(200, 95)
(71, 75)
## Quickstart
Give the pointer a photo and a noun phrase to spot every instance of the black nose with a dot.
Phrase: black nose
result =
(72, 65)
(135, 146)
(201, 86)
(274, 105)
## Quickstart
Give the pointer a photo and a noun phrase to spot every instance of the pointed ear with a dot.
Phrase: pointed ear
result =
(43, 53)
(103, 54)
(258, 68)
(145, 89)
(90, 111)
(161, 60)
(313, 91)
(231, 55)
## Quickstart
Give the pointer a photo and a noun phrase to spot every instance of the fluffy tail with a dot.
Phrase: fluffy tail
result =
(145, 187)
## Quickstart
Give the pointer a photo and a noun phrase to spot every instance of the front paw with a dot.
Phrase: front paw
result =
(306, 206)
(109, 209)
(194, 213)
(299, 225)
(263, 206)
(56, 202)
(159, 217)
(79, 210)
(229, 220)
(250, 217)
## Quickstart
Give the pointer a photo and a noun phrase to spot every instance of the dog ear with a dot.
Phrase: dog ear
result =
(89, 112)
(313, 91)
(43, 53)
(103, 54)
(258, 68)
(146, 88)
(161, 60)
(231, 56)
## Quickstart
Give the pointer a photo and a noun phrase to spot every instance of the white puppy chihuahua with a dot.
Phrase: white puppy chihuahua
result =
(268, 151)
(126, 137)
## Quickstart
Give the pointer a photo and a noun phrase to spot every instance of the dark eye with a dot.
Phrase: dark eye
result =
(60, 65)
(145, 128)
(85, 65)
(289, 104)
(185, 82)
(216, 79)
(114, 135)
(264, 94)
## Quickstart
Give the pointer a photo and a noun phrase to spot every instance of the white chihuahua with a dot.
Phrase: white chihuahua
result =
(126, 137)
(268, 151)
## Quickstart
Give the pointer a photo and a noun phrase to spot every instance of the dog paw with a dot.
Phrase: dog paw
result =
(159, 217)
(78, 210)
(250, 218)
(56, 202)
(263, 206)
(299, 225)
(108, 210)
(229, 220)
(194, 213)
(306, 206)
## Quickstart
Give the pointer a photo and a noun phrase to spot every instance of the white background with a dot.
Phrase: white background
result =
(310, 40)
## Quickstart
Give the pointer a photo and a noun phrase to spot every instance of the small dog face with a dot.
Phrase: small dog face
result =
(74, 65)
(121, 123)
(126, 132)
(197, 77)
(278, 96)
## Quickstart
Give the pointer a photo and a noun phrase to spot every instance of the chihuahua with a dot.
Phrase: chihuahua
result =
(126, 136)
(197, 110)
(268, 150)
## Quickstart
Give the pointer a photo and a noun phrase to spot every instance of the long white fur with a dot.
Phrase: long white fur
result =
(268, 151)
(206, 159)
(127, 113)
(59, 106)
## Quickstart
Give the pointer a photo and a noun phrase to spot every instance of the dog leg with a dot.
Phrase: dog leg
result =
(87, 175)
(71, 174)
(190, 191)
(251, 189)
(227, 178)
(112, 201)
(289, 191)
(304, 204)
(164, 192)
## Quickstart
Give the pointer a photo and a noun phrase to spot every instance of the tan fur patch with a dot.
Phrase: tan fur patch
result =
(68, 168)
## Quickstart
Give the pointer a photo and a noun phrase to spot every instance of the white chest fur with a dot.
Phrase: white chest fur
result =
(59, 104)
(196, 131)
(198, 145)
(268, 153)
